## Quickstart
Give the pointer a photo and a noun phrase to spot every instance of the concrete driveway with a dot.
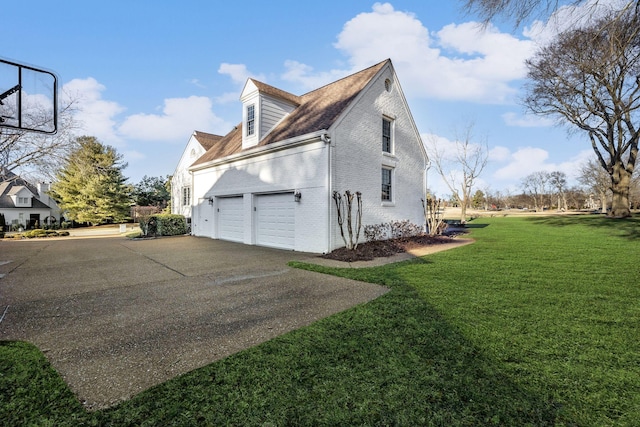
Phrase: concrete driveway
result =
(117, 316)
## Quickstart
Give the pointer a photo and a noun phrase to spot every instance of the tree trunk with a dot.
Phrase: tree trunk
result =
(603, 202)
(620, 183)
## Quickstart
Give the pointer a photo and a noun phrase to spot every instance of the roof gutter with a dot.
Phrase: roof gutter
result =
(265, 149)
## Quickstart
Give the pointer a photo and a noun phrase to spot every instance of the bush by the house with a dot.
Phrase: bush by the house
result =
(392, 230)
(376, 232)
(404, 229)
(166, 225)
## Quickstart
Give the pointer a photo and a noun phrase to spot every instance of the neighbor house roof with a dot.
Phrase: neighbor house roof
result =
(315, 111)
(207, 140)
(11, 184)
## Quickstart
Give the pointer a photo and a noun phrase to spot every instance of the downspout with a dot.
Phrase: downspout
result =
(327, 140)
(191, 193)
(427, 166)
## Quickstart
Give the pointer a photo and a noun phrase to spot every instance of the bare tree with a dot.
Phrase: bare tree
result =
(596, 180)
(39, 154)
(433, 210)
(461, 168)
(536, 186)
(519, 11)
(558, 181)
(588, 79)
(344, 210)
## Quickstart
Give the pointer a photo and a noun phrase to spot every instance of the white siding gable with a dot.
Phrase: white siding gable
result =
(272, 111)
(182, 178)
(268, 112)
(21, 196)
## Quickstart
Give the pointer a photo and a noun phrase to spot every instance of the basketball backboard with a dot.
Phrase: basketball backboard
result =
(28, 98)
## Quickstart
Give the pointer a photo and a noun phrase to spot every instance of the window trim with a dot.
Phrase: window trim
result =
(387, 140)
(186, 196)
(251, 120)
(390, 186)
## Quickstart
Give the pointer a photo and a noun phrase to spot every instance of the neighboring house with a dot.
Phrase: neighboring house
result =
(270, 181)
(181, 181)
(25, 205)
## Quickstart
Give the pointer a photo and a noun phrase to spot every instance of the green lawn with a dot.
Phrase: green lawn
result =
(537, 323)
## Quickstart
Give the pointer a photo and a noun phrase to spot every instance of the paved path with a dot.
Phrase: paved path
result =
(117, 316)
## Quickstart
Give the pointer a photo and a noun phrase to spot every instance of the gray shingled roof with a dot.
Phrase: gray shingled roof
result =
(10, 183)
(315, 111)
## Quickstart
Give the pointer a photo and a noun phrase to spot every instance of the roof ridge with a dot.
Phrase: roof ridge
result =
(275, 91)
(349, 76)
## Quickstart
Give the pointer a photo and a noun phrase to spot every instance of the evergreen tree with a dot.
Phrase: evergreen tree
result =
(152, 191)
(90, 187)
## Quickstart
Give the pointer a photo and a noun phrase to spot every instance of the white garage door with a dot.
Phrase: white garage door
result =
(275, 220)
(231, 218)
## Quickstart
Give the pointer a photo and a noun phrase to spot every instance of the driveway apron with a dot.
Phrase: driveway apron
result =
(117, 316)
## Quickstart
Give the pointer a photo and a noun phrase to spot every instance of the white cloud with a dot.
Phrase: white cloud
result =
(196, 83)
(95, 115)
(180, 116)
(439, 146)
(527, 120)
(523, 162)
(239, 73)
(459, 62)
(305, 76)
(499, 154)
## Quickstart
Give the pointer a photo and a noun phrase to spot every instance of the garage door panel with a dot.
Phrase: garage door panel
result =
(231, 218)
(275, 220)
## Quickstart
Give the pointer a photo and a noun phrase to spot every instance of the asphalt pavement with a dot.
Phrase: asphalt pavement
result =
(116, 316)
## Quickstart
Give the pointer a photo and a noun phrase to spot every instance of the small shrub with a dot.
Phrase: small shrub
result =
(39, 232)
(36, 232)
(166, 225)
(376, 232)
(404, 229)
(392, 230)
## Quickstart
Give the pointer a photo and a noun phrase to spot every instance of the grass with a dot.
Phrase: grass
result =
(537, 323)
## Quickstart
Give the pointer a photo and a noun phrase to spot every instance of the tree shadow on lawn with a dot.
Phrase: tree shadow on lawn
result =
(628, 228)
(392, 361)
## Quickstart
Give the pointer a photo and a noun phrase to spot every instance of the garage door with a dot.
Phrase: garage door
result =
(231, 218)
(275, 220)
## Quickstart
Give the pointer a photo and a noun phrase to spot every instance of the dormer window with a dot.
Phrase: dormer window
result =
(251, 119)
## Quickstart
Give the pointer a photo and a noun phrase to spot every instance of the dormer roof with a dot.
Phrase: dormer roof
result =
(269, 90)
(315, 110)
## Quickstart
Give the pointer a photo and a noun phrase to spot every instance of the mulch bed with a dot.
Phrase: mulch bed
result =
(367, 251)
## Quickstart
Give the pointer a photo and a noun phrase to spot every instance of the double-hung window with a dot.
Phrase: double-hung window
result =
(186, 196)
(387, 184)
(251, 119)
(386, 135)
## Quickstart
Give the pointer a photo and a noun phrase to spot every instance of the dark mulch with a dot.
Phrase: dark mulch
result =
(367, 251)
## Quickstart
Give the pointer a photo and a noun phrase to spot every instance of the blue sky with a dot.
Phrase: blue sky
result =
(148, 73)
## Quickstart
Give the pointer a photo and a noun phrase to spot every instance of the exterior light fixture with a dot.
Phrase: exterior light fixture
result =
(297, 196)
(210, 201)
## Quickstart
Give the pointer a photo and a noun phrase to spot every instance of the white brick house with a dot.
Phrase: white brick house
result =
(181, 180)
(354, 134)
